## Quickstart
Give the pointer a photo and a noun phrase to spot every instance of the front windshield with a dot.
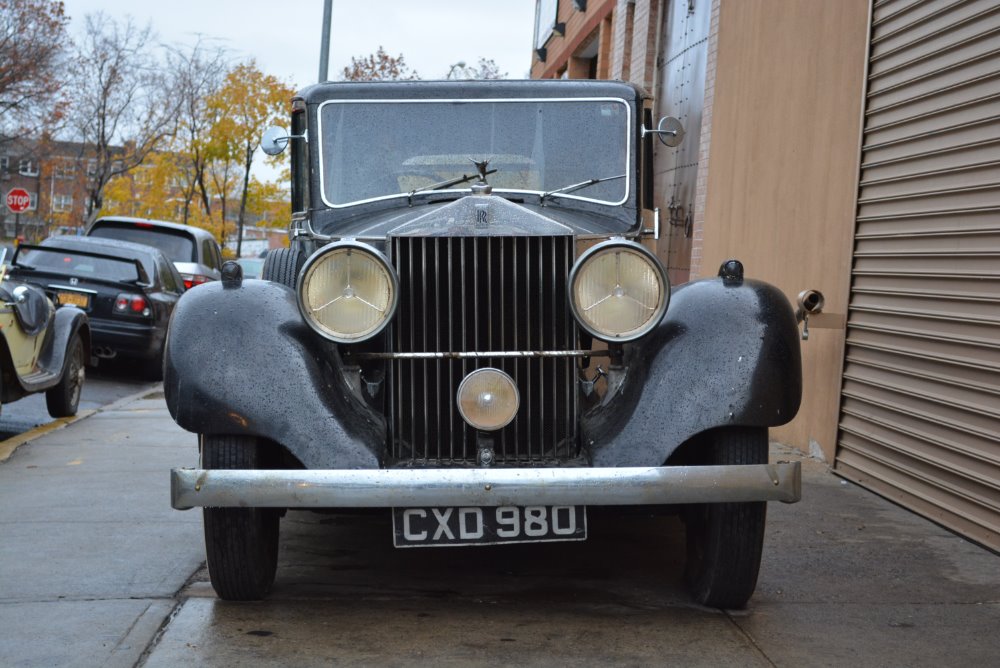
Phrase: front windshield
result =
(389, 148)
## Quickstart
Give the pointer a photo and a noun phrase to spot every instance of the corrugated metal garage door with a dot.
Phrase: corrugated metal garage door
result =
(920, 419)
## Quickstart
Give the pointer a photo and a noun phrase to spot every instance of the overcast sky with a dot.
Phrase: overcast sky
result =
(284, 36)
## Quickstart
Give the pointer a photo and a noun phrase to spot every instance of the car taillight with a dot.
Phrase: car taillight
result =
(191, 280)
(137, 305)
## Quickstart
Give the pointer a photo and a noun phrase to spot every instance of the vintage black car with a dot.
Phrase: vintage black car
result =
(128, 291)
(470, 329)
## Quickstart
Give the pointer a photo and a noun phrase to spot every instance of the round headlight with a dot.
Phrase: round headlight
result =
(347, 292)
(488, 399)
(618, 291)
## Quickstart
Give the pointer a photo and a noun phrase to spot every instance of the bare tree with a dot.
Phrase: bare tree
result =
(379, 66)
(122, 104)
(485, 69)
(223, 171)
(198, 74)
(32, 46)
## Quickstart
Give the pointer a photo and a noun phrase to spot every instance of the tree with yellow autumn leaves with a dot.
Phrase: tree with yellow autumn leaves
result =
(242, 108)
(205, 167)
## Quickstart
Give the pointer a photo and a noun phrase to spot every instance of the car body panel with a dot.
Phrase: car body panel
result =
(724, 355)
(208, 394)
(35, 363)
(748, 378)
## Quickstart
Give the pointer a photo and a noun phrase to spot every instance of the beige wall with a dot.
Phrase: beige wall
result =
(781, 175)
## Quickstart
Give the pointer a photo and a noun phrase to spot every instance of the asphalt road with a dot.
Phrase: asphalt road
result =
(104, 385)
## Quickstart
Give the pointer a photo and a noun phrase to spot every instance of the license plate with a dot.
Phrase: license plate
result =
(74, 299)
(427, 527)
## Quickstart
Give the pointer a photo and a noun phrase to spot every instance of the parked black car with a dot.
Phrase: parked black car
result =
(485, 346)
(127, 290)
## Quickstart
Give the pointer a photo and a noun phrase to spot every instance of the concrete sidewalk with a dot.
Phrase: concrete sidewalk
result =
(92, 555)
(93, 562)
(851, 579)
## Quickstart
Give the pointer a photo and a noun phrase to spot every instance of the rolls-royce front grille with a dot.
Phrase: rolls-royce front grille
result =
(482, 294)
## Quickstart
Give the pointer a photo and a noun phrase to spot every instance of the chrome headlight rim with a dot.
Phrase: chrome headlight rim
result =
(661, 275)
(318, 256)
(471, 378)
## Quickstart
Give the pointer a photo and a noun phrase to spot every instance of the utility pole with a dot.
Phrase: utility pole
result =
(324, 47)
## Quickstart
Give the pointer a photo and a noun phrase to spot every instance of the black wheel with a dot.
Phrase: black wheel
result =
(282, 265)
(725, 540)
(63, 399)
(241, 543)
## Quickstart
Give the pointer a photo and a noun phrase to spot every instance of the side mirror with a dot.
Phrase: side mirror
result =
(274, 140)
(20, 294)
(669, 131)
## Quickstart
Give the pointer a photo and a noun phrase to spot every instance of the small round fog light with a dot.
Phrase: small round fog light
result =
(488, 399)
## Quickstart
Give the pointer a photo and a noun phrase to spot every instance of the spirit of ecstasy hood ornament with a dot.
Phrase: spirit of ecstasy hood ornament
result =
(481, 167)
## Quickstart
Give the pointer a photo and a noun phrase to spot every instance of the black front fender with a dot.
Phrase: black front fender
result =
(724, 355)
(239, 360)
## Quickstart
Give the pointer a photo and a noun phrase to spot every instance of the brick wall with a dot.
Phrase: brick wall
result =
(621, 40)
(645, 27)
(580, 28)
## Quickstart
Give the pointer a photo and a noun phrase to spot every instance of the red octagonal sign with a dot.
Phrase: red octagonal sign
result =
(18, 200)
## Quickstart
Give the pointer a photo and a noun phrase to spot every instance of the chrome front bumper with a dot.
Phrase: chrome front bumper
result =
(384, 488)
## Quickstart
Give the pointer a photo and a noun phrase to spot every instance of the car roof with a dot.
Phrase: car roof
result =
(178, 227)
(463, 89)
(114, 247)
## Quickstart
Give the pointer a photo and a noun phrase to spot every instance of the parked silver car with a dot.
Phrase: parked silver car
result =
(193, 250)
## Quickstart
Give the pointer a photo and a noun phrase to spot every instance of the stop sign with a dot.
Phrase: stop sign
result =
(18, 200)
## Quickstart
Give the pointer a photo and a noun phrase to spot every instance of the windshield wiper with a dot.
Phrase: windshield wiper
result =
(578, 186)
(446, 184)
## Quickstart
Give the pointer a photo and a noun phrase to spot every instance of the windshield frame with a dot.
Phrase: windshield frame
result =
(405, 196)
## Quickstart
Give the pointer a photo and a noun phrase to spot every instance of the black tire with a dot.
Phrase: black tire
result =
(282, 265)
(64, 399)
(725, 540)
(241, 543)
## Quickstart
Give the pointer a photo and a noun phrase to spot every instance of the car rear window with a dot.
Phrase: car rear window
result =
(64, 261)
(176, 245)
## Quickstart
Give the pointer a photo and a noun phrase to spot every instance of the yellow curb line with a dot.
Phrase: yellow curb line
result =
(8, 446)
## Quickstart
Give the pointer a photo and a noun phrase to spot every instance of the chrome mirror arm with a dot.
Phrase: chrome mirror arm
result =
(669, 131)
(275, 139)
